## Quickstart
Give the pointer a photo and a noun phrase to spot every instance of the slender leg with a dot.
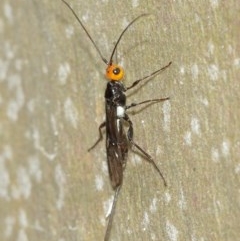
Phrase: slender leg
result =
(110, 220)
(150, 159)
(146, 101)
(148, 76)
(100, 136)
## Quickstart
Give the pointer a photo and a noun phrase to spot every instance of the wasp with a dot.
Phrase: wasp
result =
(117, 140)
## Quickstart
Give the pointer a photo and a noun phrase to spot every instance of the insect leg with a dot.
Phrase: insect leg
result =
(149, 158)
(146, 101)
(100, 135)
(148, 76)
(110, 220)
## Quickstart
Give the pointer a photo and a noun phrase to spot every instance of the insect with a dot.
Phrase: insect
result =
(117, 141)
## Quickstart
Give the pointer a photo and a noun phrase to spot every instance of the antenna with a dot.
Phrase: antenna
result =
(119, 38)
(96, 47)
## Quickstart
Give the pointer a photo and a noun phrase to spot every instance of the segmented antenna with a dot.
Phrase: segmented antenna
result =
(94, 44)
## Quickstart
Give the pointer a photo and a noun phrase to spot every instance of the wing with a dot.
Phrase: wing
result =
(116, 146)
(116, 164)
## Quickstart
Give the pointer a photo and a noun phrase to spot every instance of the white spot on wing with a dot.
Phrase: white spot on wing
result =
(120, 111)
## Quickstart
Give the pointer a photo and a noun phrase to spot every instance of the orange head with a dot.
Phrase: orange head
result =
(114, 72)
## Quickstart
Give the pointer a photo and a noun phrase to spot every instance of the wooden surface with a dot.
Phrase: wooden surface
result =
(51, 104)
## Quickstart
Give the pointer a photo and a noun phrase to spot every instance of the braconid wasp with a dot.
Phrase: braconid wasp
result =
(117, 141)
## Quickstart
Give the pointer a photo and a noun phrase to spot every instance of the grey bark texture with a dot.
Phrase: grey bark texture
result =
(52, 102)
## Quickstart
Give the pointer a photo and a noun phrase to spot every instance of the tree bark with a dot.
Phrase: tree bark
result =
(52, 102)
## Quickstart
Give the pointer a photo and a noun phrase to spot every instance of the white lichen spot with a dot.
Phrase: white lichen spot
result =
(24, 185)
(9, 50)
(153, 205)
(237, 168)
(17, 101)
(167, 197)
(204, 101)
(135, 3)
(85, 17)
(2, 25)
(159, 151)
(182, 70)
(195, 126)
(38, 146)
(7, 152)
(99, 183)
(195, 71)
(54, 125)
(3, 69)
(214, 3)
(34, 168)
(22, 236)
(45, 69)
(166, 115)
(182, 201)
(188, 138)
(171, 231)
(60, 179)
(213, 72)
(8, 12)
(210, 48)
(9, 225)
(18, 64)
(236, 62)
(61, 239)
(31, 105)
(5, 156)
(4, 180)
(136, 160)
(63, 72)
(104, 168)
(71, 113)
(145, 221)
(225, 148)
(22, 218)
(215, 154)
(69, 31)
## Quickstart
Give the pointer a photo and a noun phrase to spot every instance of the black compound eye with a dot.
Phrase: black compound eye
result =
(116, 71)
